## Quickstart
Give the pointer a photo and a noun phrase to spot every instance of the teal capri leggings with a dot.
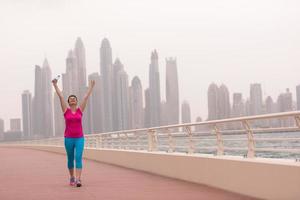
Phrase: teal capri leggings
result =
(74, 145)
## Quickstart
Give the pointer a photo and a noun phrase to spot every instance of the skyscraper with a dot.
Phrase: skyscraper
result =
(95, 109)
(47, 100)
(285, 104)
(136, 97)
(123, 100)
(185, 112)
(27, 113)
(172, 92)
(1, 129)
(154, 90)
(106, 73)
(223, 102)
(256, 99)
(298, 96)
(15, 124)
(270, 107)
(79, 52)
(238, 108)
(147, 109)
(38, 103)
(117, 67)
(212, 99)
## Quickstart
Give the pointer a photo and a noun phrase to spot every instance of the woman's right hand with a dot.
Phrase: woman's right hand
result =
(54, 81)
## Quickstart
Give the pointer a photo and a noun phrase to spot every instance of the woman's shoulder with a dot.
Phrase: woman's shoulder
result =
(66, 111)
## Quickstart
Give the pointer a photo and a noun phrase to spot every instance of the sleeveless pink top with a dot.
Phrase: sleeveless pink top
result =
(73, 123)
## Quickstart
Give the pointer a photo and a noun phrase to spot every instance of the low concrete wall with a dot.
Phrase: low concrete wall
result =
(259, 178)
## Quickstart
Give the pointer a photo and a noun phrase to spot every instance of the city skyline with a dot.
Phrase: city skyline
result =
(245, 43)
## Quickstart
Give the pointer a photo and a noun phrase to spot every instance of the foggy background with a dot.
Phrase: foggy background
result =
(232, 42)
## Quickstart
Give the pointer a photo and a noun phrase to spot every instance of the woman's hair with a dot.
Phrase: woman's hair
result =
(72, 95)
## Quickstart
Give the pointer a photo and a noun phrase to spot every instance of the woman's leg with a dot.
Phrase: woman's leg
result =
(79, 146)
(69, 146)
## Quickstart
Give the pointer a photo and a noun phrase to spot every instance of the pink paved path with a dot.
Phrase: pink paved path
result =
(37, 175)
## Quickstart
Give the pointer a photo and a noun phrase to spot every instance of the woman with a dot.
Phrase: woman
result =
(74, 138)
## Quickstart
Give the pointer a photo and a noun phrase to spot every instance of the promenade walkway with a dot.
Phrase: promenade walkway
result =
(38, 175)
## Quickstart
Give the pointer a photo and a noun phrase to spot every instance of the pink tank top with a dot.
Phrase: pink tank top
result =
(73, 123)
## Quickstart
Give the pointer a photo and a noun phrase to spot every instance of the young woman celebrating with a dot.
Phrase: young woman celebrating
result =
(74, 137)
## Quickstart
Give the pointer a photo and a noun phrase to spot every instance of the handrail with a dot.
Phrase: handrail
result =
(171, 138)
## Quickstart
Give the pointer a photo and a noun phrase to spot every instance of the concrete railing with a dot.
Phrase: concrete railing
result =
(215, 137)
(200, 154)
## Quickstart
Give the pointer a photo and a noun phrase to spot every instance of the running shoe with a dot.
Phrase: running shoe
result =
(78, 183)
(72, 181)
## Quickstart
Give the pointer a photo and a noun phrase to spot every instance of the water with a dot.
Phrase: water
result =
(207, 144)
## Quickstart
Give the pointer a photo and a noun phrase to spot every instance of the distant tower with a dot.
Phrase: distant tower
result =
(106, 73)
(172, 92)
(185, 112)
(15, 124)
(212, 97)
(27, 113)
(123, 100)
(285, 104)
(117, 67)
(223, 103)
(47, 112)
(256, 99)
(95, 110)
(238, 108)
(154, 90)
(147, 108)
(37, 104)
(136, 97)
(298, 96)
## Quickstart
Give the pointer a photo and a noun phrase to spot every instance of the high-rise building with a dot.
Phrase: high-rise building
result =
(70, 78)
(199, 128)
(163, 113)
(172, 92)
(123, 101)
(212, 99)
(15, 124)
(147, 109)
(136, 98)
(47, 100)
(154, 91)
(117, 67)
(79, 52)
(298, 96)
(37, 104)
(27, 113)
(1, 129)
(95, 109)
(185, 112)
(270, 107)
(285, 104)
(106, 73)
(238, 108)
(256, 99)
(223, 102)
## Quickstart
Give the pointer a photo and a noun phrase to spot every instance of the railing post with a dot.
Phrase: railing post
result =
(170, 141)
(191, 142)
(220, 150)
(251, 145)
(152, 140)
(297, 119)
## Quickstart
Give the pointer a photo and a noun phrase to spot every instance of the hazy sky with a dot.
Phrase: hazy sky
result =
(232, 42)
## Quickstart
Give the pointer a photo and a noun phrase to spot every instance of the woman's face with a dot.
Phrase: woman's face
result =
(72, 101)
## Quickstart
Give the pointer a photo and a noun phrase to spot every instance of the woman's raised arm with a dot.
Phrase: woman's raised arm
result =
(86, 97)
(60, 95)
